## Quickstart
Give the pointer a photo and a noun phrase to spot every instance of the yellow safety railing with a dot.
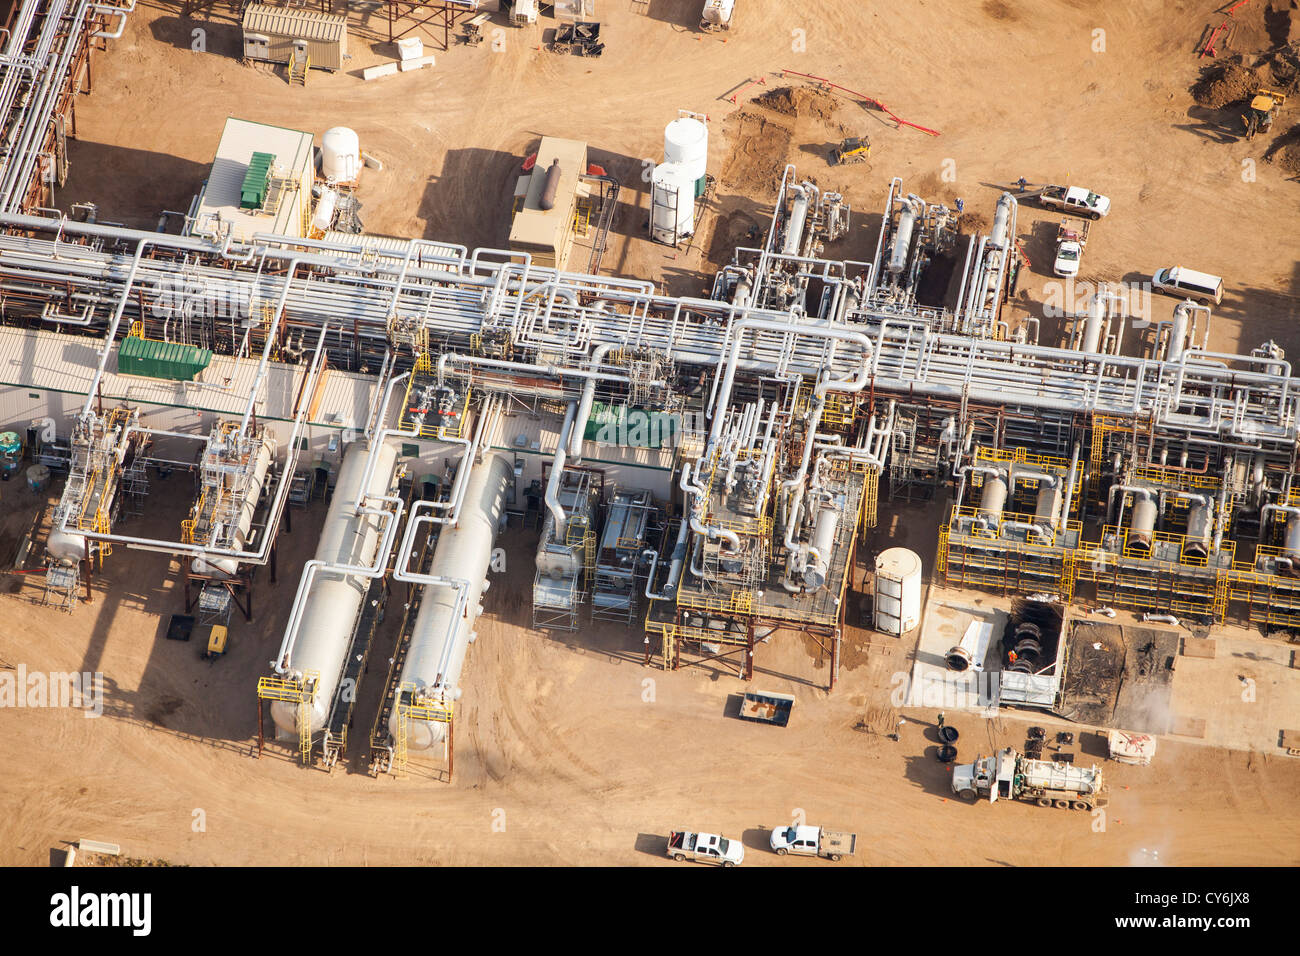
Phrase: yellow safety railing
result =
(292, 691)
(1173, 478)
(408, 710)
(1020, 456)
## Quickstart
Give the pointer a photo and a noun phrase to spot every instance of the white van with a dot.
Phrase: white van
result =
(1184, 282)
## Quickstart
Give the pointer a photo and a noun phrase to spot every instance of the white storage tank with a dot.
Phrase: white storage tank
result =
(340, 155)
(443, 630)
(686, 143)
(334, 601)
(325, 206)
(898, 591)
(672, 204)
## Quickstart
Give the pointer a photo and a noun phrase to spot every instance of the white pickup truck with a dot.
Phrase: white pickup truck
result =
(1071, 237)
(704, 848)
(813, 841)
(1075, 199)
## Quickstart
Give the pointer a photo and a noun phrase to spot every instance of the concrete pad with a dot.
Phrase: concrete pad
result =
(1188, 727)
(1245, 694)
(933, 684)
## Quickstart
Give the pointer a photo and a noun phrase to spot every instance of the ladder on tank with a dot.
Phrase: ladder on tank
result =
(408, 709)
(293, 692)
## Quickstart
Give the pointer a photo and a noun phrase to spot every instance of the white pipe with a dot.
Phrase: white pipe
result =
(557, 468)
(584, 405)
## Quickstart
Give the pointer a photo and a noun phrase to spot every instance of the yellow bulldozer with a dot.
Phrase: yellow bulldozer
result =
(1262, 110)
(855, 149)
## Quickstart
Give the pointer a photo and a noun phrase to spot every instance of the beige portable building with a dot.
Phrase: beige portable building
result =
(547, 233)
(271, 33)
(286, 202)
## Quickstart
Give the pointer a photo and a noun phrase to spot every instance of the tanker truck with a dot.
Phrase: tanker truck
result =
(1010, 775)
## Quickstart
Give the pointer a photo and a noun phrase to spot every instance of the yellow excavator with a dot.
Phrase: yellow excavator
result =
(1263, 109)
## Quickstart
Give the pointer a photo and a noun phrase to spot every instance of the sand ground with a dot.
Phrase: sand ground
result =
(568, 750)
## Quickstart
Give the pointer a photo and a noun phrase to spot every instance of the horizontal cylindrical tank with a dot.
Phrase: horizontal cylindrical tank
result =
(672, 204)
(912, 208)
(898, 591)
(442, 631)
(248, 509)
(325, 206)
(1094, 323)
(794, 227)
(334, 600)
(1178, 335)
(551, 187)
(1002, 221)
(686, 143)
(717, 14)
(340, 155)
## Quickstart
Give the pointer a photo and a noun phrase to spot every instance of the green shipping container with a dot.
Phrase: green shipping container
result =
(629, 426)
(154, 359)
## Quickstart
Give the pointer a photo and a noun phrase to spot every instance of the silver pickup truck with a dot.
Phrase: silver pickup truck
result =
(704, 848)
(1075, 199)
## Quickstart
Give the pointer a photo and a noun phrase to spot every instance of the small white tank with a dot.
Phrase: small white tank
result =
(340, 159)
(686, 143)
(325, 206)
(898, 591)
(672, 204)
(66, 547)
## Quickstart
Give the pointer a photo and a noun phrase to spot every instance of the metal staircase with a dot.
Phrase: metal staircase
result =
(294, 692)
(298, 67)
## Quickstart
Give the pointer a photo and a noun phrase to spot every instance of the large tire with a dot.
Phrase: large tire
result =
(1080, 805)
(727, 863)
(1062, 804)
(1044, 801)
(680, 857)
(1094, 216)
(782, 852)
(835, 858)
(970, 796)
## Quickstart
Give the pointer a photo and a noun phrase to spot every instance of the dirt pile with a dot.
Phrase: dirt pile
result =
(1225, 83)
(758, 155)
(969, 223)
(800, 101)
(1286, 151)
